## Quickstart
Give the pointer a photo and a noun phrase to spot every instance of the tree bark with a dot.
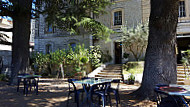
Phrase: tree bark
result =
(21, 35)
(160, 58)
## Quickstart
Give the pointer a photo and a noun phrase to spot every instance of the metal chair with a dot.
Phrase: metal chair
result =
(73, 89)
(115, 91)
(101, 90)
(165, 100)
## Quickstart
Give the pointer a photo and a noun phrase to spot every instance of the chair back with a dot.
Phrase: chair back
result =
(100, 87)
(118, 83)
(72, 86)
(165, 100)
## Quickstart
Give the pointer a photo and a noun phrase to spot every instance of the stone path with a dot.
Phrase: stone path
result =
(53, 93)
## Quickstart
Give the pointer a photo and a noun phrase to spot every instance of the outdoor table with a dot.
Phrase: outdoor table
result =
(90, 82)
(177, 90)
(27, 79)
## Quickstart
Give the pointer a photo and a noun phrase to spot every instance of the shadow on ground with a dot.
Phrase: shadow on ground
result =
(53, 93)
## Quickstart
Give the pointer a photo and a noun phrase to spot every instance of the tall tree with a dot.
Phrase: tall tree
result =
(160, 58)
(20, 11)
(68, 14)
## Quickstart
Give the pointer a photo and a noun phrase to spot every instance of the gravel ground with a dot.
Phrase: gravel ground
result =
(53, 93)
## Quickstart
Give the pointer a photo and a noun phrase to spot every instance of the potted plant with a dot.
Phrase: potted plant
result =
(131, 79)
(186, 62)
(125, 55)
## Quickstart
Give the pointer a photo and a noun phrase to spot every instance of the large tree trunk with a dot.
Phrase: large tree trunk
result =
(160, 58)
(21, 35)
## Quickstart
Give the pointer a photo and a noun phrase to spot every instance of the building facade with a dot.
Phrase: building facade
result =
(6, 50)
(122, 12)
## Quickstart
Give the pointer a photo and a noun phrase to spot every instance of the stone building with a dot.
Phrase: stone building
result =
(127, 12)
(122, 12)
(6, 50)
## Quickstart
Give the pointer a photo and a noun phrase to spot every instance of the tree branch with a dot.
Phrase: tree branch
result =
(6, 30)
(5, 12)
(5, 43)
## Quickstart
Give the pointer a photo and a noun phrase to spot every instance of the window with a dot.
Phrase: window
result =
(48, 48)
(73, 45)
(182, 12)
(117, 18)
(49, 28)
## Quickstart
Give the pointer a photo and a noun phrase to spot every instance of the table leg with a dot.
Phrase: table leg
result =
(36, 81)
(18, 84)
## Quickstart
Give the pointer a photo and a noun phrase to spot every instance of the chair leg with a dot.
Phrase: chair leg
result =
(18, 84)
(36, 84)
(116, 98)
(68, 99)
(103, 101)
(110, 100)
(77, 99)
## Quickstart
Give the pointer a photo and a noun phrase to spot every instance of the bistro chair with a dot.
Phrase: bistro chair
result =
(165, 100)
(115, 90)
(73, 89)
(101, 90)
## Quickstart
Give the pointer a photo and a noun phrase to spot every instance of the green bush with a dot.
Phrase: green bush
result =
(75, 61)
(133, 67)
(3, 77)
(131, 77)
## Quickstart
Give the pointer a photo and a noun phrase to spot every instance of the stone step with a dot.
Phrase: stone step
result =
(181, 75)
(183, 69)
(106, 70)
(180, 82)
(109, 76)
(180, 79)
(110, 73)
(180, 72)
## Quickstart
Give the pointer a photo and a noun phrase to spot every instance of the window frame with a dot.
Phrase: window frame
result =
(47, 26)
(113, 17)
(181, 19)
(183, 10)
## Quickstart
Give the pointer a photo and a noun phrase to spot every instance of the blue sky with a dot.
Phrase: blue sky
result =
(9, 18)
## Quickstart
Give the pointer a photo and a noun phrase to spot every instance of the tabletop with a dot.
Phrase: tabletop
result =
(29, 76)
(92, 81)
(181, 90)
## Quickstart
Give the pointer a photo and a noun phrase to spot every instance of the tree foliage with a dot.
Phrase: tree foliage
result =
(77, 16)
(135, 39)
(64, 14)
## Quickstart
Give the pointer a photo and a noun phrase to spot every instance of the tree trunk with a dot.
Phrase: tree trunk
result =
(21, 35)
(160, 58)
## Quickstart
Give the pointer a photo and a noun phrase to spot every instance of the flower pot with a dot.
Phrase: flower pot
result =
(131, 82)
(187, 81)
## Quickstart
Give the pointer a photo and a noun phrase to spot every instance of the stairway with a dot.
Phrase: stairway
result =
(181, 74)
(113, 71)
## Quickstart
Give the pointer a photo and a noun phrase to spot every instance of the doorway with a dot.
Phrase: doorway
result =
(118, 52)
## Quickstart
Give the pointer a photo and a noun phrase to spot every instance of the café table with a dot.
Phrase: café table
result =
(90, 82)
(28, 81)
(177, 90)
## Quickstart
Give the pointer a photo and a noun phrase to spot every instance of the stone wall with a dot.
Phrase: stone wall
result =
(59, 39)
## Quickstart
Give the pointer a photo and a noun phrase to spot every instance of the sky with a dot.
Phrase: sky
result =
(9, 18)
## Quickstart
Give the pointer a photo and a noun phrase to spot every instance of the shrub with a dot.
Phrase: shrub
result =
(133, 67)
(3, 77)
(73, 60)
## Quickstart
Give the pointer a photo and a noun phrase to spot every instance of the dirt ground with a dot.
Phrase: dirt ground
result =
(53, 93)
